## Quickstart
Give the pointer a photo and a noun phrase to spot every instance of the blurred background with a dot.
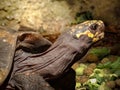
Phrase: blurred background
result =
(100, 68)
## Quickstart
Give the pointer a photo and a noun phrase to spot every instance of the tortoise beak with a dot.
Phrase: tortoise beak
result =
(100, 34)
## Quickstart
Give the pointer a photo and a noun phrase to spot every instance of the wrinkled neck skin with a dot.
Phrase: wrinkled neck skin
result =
(57, 59)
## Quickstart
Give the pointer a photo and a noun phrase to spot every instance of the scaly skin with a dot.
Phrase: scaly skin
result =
(70, 47)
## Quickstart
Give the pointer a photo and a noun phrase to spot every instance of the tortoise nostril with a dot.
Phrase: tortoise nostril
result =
(94, 26)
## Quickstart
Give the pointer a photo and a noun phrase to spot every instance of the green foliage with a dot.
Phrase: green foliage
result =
(113, 66)
(103, 86)
(80, 69)
(81, 17)
(78, 85)
(103, 73)
(100, 52)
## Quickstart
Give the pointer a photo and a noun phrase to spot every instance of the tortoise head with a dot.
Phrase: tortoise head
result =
(92, 28)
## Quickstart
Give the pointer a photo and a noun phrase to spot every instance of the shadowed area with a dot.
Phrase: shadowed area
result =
(7, 48)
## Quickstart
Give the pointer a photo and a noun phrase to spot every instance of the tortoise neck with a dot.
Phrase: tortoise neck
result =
(64, 53)
(57, 59)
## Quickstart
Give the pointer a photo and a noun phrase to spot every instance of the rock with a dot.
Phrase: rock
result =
(58, 13)
(117, 81)
(110, 84)
(91, 58)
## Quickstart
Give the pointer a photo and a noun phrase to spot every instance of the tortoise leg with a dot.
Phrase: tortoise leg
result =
(29, 82)
(65, 82)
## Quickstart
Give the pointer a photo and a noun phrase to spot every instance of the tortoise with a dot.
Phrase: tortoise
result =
(33, 59)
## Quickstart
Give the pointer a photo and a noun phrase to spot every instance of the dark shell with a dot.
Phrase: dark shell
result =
(7, 48)
(10, 41)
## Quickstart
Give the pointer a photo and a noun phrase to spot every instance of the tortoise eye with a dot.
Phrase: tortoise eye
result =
(94, 26)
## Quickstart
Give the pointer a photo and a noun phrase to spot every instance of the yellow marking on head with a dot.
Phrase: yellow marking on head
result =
(78, 35)
(95, 39)
(94, 21)
(85, 22)
(89, 24)
(96, 33)
(100, 22)
(98, 36)
(88, 33)
(72, 30)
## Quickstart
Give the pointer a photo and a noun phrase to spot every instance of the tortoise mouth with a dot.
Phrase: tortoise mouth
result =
(101, 35)
(100, 32)
(98, 36)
